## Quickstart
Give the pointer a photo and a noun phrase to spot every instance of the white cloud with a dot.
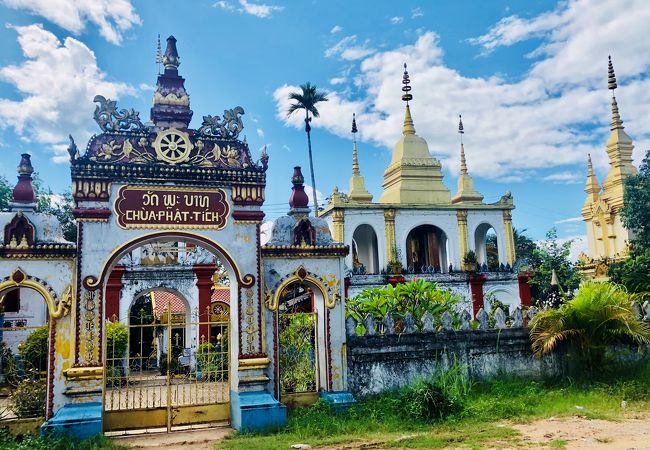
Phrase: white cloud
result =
(260, 133)
(549, 118)
(338, 80)
(146, 87)
(113, 17)
(416, 12)
(348, 49)
(310, 193)
(56, 84)
(579, 244)
(336, 29)
(260, 10)
(569, 220)
(396, 20)
(286, 147)
(265, 232)
(565, 177)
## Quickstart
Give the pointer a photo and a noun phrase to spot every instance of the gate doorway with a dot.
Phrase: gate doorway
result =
(167, 353)
(297, 344)
(174, 385)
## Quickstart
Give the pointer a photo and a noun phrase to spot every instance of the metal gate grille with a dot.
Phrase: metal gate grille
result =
(174, 371)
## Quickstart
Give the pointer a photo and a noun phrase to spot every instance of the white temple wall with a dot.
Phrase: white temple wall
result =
(475, 218)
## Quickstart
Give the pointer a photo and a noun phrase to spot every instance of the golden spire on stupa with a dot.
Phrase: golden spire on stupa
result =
(466, 192)
(358, 192)
(407, 96)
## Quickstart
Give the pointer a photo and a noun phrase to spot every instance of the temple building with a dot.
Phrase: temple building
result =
(607, 238)
(419, 228)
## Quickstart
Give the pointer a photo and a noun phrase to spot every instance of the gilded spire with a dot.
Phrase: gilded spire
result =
(461, 131)
(358, 192)
(355, 160)
(408, 120)
(592, 188)
(617, 123)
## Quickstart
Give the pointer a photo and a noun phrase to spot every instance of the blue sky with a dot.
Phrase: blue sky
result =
(529, 78)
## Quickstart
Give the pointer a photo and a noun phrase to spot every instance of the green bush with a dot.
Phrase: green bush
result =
(8, 362)
(213, 360)
(417, 297)
(117, 339)
(34, 350)
(28, 400)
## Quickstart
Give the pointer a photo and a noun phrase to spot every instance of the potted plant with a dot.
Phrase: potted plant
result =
(469, 261)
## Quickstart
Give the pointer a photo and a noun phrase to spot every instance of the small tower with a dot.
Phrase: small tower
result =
(171, 102)
(24, 197)
(466, 192)
(592, 188)
(413, 176)
(358, 192)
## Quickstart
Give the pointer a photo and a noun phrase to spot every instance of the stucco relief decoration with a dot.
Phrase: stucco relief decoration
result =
(89, 318)
(63, 308)
(329, 284)
(228, 128)
(110, 119)
(250, 321)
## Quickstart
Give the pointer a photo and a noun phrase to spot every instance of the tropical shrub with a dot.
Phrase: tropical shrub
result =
(416, 297)
(297, 353)
(599, 315)
(633, 273)
(213, 360)
(9, 370)
(117, 339)
(28, 400)
(34, 349)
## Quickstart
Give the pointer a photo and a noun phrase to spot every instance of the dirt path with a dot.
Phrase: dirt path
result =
(581, 433)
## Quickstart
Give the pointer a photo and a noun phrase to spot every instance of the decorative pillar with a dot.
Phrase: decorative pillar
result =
(338, 216)
(389, 221)
(113, 288)
(524, 288)
(461, 217)
(476, 282)
(204, 273)
(510, 237)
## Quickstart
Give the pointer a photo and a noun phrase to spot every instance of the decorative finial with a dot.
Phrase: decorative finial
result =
(171, 60)
(355, 159)
(461, 131)
(159, 58)
(611, 76)
(406, 81)
(299, 199)
(72, 149)
(590, 166)
(24, 191)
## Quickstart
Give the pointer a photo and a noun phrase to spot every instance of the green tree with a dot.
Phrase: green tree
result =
(307, 100)
(601, 314)
(549, 255)
(636, 211)
(633, 273)
(5, 193)
(34, 350)
(524, 246)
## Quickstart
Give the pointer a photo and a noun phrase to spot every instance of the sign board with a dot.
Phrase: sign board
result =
(158, 207)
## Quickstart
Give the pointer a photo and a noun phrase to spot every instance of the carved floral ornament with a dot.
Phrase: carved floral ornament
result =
(19, 279)
(329, 287)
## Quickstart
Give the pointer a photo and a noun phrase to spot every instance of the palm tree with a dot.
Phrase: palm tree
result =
(599, 315)
(307, 100)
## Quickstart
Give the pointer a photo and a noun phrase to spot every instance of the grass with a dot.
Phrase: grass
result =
(8, 441)
(483, 420)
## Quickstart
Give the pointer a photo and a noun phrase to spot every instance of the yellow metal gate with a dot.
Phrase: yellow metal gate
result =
(173, 371)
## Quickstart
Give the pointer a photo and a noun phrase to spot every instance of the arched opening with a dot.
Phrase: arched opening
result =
(176, 353)
(24, 353)
(365, 255)
(487, 249)
(426, 250)
(297, 343)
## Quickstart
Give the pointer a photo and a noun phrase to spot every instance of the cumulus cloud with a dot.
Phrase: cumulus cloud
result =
(348, 49)
(310, 193)
(113, 17)
(260, 10)
(549, 118)
(56, 84)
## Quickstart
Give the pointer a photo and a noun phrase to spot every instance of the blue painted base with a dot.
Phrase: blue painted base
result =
(256, 411)
(81, 420)
(339, 400)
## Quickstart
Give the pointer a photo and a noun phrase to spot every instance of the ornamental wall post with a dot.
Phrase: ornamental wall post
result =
(389, 221)
(461, 217)
(510, 237)
(338, 216)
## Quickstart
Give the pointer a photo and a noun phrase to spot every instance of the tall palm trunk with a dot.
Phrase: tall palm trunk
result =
(311, 164)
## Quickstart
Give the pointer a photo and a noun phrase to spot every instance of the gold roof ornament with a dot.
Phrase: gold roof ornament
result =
(466, 192)
(358, 192)
(413, 176)
(619, 149)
